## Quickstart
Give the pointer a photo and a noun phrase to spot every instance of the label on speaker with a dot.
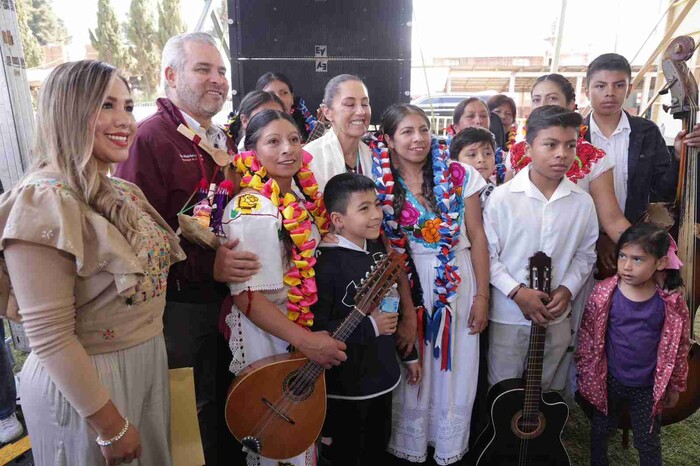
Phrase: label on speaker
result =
(321, 51)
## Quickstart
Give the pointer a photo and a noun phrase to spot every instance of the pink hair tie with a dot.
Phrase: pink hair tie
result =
(674, 262)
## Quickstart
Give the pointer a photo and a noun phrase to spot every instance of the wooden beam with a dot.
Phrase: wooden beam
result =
(664, 41)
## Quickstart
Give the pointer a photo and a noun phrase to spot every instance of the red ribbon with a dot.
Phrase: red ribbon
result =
(445, 341)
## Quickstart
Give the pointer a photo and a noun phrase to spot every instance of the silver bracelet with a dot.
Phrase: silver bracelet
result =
(116, 438)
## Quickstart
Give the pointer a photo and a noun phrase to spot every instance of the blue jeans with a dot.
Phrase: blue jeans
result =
(8, 391)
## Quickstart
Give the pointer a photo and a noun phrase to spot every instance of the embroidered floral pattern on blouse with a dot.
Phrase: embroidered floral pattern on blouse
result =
(418, 223)
(153, 255)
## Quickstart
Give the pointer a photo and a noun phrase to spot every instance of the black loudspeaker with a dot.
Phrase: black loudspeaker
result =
(312, 41)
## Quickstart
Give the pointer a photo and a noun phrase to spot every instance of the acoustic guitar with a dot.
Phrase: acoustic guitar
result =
(277, 405)
(525, 426)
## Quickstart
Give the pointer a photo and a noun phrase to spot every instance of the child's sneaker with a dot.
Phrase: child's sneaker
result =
(10, 429)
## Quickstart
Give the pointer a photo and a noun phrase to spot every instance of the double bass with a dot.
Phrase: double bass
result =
(681, 217)
(684, 106)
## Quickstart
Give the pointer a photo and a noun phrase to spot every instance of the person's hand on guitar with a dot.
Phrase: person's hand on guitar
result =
(323, 349)
(691, 139)
(414, 373)
(670, 399)
(386, 321)
(560, 298)
(532, 304)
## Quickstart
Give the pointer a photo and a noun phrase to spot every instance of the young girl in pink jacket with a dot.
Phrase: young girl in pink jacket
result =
(634, 342)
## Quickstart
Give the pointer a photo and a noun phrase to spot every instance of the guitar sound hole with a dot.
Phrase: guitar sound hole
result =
(527, 430)
(296, 388)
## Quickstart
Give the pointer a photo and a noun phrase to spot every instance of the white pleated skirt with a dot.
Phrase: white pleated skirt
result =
(137, 380)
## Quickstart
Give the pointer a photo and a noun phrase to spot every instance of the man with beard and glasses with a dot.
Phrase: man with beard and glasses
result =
(169, 169)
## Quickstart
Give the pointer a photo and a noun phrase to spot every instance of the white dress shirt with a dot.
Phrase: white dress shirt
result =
(215, 135)
(616, 148)
(520, 221)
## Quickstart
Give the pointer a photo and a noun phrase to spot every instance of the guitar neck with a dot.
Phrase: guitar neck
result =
(371, 290)
(342, 333)
(540, 269)
(533, 374)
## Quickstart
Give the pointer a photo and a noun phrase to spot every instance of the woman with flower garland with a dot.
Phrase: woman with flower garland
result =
(341, 150)
(252, 103)
(432, 214)
(280, 85)
(279, 215)
(592, 171)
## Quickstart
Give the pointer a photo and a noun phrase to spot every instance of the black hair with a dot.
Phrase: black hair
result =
(608, 62)
(653, 240)
(338, 190)
(297, 114)
(260, 121)
(471, 136)
(391, 118)
(459, 109)
(270, 76)
(497, 100)
(250, 102)
(548, 116)
(255, 127)
(562, 83)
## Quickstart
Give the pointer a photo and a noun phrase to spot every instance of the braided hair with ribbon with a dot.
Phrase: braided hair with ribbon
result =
(445, 182)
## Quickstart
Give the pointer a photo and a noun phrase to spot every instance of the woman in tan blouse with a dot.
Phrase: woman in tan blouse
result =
(88, 259)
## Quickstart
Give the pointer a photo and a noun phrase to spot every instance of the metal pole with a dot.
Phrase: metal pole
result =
(557, 43)
(203, 16)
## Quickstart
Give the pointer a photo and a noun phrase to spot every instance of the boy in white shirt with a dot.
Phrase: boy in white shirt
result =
(538, 210)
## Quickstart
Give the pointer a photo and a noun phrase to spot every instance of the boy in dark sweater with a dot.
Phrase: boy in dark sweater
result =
(358, 419)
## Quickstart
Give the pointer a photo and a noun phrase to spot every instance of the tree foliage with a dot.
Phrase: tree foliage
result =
(33, 53)
(45, 25)
(107, 38)
(170, 21)
(141, 32)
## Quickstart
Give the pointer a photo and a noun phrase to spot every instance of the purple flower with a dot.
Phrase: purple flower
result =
(409, 215)
(457, 172)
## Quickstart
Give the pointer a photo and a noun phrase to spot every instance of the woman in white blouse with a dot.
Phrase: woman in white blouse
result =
(346, 106)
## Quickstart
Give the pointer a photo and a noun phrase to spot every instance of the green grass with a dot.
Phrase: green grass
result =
(680, 443)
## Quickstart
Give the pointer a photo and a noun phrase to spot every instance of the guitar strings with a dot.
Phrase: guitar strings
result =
(537, 341)
(302, 378)
(307, 375)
